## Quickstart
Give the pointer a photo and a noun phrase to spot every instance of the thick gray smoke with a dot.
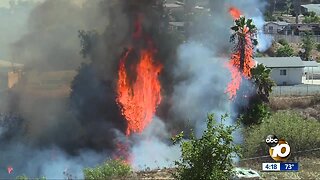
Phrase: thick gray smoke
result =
(52, 138)
(202, 93)
(44, 37)
(13, 22)
(204, 89)
(50, 41)
(50, 162)
(152, 149)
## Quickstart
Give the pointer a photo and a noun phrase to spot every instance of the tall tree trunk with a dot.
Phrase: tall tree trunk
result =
(242, 44)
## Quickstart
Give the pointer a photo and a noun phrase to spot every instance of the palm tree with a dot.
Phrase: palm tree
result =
(245, 38)
(261, 78)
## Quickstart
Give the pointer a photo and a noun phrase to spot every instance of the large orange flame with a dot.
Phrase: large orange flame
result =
(234, 67)
(249, 63)
(235, 13)
(234, 63)
(139, 100)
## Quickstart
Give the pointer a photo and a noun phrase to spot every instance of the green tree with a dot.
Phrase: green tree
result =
(244, 31)
(289, 6)
(307, 46)
(258, 106)
(210, 156)
(269, 17)
(285, 51)
(272, 6)
(109, 170)
(260, 76)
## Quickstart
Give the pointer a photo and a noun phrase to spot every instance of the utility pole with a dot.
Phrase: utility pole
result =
(297, 9)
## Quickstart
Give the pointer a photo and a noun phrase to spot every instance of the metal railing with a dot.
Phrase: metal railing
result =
(299, 90)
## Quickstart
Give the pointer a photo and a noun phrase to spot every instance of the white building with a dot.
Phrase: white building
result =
(312, 70)
(284, 70)
(274, 27)
(310, 8)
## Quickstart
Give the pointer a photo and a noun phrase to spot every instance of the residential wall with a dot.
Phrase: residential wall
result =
(293, 38)
(274, 30)
(13, 78)
(293, 76)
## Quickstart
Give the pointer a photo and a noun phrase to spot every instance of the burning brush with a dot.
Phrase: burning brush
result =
(241, 61)
(138, 94)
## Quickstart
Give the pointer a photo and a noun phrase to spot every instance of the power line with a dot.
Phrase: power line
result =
(296, 152)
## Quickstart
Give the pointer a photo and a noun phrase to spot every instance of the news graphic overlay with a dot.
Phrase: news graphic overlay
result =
(283, 166)
(279, 150)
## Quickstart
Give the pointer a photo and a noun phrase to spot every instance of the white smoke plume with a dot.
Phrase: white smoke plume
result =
(152, 149)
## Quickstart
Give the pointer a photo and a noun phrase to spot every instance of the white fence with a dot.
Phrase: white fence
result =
(298, 90)
(293, 38)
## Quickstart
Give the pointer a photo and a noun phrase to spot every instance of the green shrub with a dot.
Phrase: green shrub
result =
(258, 103)
(210, 156)
(24, 177)
(280, 18)
(109, 170)
(318, 47)
(258, 54)
(284, 51)
(283, 42)
(311, 18)
(269, 17)
(301, 134)
(256, 113)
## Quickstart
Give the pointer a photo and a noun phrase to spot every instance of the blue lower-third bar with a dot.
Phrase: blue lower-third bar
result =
(293, 166)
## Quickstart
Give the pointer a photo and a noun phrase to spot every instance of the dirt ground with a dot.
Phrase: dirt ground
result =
(307, 106)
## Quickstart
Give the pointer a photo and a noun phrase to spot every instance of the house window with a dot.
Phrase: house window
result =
(270, 28)
(283, 72)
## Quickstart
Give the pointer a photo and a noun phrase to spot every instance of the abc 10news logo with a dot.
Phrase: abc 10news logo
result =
(279, 149)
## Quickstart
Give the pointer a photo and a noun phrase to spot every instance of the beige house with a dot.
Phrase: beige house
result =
(10, 73)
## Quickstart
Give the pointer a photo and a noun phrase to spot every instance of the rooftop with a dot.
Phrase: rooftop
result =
(280, 23)
(281, 62)
(9, 64)
(312, 7)
(178, 24)
(172, 5)
(310, 64)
